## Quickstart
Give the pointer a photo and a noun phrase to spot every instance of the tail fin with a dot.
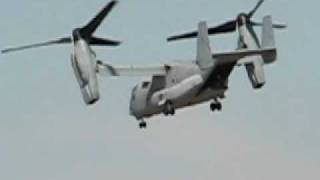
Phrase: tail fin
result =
(267, 33)
(204, 57)
(268, 40)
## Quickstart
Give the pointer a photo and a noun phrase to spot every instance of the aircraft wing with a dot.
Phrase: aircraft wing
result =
(108, 70)
(221, 60)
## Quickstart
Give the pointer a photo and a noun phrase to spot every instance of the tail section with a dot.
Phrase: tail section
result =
(255, 69)
(204, 56)
(268, 40)
(89, 88)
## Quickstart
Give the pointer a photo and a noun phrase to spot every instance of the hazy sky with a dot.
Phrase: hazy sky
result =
(47, 133)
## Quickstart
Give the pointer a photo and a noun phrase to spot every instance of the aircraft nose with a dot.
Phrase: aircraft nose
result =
(134, 112)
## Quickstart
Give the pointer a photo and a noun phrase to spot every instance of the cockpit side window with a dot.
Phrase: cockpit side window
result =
(145, 84)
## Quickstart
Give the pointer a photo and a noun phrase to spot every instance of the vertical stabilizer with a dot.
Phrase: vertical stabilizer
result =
(268, 40)
(204, 57)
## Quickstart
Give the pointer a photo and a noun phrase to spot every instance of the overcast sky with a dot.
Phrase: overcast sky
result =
(47, 133)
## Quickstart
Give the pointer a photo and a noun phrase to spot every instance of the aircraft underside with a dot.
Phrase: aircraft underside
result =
(205, 96)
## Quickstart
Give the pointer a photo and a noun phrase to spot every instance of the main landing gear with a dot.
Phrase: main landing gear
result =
(216, 105)
(169, 109)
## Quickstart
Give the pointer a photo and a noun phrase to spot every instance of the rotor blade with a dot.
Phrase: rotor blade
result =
(183, 36)
(92, 26)
(227, 27)
(103, 42)
(59, 41)
(252, 12)
(276, 26)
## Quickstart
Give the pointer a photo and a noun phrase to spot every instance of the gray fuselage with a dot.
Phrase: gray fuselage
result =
(181, 85)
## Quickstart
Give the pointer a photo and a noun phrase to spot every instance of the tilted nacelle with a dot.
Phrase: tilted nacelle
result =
(87, 81)
(255, 72)
(255, 65)
(255, 69)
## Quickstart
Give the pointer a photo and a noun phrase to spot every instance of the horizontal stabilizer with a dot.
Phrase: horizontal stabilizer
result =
(238, 56)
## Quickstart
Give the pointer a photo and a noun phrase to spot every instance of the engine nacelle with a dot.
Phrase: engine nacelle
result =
(77, 72)
(255, 72)
(89, 88)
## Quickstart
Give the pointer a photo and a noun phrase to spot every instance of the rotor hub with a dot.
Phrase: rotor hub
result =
(76, 34)
(242, 19)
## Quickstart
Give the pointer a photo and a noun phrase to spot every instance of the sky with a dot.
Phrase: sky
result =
(47, 133)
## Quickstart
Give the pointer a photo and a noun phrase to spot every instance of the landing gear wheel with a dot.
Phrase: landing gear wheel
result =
(213, 107)
(173, 112)
(142, 125)
(169, 108)
(216, 106)
(219, 106)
